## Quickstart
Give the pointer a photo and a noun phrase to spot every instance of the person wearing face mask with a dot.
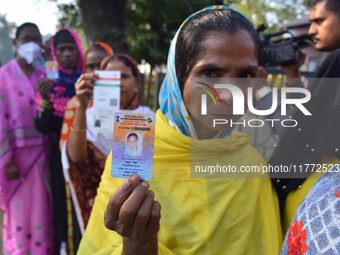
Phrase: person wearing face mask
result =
(66, 51)
(24, 194)
(84, 149)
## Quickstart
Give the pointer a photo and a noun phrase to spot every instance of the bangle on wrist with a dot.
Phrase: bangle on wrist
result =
(80, 131)
(45, 104)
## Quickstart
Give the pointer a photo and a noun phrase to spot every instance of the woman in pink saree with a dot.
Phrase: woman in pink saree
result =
(24, 193)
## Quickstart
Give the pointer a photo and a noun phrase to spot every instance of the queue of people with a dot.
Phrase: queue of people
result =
(56, 189)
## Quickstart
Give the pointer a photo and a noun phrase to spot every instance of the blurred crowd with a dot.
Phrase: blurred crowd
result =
(56, 190)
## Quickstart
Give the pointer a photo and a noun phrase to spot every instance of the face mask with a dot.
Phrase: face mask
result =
(30, 52)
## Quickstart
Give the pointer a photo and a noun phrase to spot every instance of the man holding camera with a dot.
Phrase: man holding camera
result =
(325, 29)
(325, 21)
(324, 16)
(315, 141)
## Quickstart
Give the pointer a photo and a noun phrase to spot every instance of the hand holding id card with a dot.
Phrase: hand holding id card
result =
(106, 99)
(133, 145)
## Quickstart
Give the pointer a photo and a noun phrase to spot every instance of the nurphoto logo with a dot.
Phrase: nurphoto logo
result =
(243, 100)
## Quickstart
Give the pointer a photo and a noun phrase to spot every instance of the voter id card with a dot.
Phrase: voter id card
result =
(52, 71)
(133, 145)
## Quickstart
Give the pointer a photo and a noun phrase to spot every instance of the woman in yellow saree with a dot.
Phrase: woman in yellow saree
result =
(198, 215)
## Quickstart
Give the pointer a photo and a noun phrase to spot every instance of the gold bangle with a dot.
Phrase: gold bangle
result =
(45, 104)
(78, 130)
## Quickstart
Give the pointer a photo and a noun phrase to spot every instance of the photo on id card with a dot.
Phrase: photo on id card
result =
(133, 145)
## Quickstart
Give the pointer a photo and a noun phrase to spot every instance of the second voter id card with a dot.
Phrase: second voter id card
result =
(52, 71)
(106, 99)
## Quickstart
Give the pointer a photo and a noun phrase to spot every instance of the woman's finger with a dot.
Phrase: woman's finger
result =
(86, 93)
(131, 206)
(117, 199)
(88, 84)
(90, 76)
(144, 212)
(84, 84)
(154, 222)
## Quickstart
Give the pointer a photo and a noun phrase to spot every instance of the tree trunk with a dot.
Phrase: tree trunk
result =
(104, 20)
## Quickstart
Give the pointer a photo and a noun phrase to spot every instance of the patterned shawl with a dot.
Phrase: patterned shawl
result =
(315, 228)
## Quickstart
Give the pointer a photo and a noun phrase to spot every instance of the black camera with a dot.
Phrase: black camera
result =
(281, 48)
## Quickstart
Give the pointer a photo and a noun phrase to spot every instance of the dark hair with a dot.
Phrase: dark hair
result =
(197, 28)
(23, 26)
(331, 5)
(95, 47)
(124, 58)
(62, 36)
(131, 135)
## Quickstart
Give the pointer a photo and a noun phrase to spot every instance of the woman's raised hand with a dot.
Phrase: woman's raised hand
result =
(134, 214)
(84, 88)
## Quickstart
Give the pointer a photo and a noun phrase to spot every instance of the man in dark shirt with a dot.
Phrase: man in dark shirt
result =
(316, 136)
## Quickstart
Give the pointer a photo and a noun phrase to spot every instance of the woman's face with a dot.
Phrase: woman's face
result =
(222, 55)
(28, 34)
(93, 59)
(67, 55)
(129, 84)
